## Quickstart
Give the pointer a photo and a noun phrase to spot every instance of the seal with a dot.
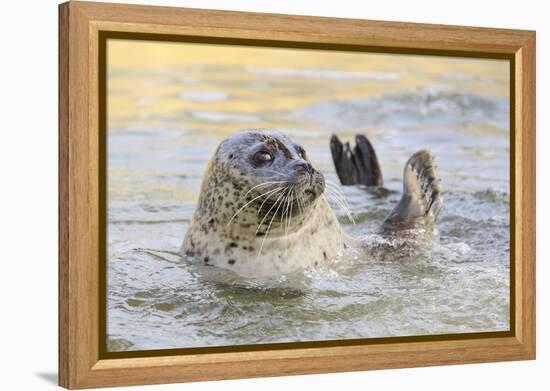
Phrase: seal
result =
(261, 210)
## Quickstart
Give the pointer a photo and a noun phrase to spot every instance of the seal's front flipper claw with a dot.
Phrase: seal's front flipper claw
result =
(358, 166)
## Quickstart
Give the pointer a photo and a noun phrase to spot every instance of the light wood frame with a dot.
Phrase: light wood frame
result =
(80, 165)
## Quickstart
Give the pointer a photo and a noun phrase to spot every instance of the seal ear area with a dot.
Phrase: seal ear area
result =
(420, 181)
(358, 165)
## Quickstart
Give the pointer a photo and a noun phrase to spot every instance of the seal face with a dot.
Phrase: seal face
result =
(261, 211)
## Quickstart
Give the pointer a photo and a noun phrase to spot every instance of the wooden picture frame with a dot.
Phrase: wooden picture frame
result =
(82, 29)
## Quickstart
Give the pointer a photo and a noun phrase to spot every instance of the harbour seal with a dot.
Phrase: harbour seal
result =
(261, 210)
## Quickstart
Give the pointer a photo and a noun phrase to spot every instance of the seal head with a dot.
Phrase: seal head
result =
(261, 211)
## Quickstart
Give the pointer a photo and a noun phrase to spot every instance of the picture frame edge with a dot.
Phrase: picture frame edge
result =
(79, 363)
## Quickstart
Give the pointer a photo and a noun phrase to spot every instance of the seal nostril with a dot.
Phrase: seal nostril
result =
(305, 167)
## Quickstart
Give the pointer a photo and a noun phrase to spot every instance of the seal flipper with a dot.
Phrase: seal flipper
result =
(342, 157)
(358, 166)
(421, 201)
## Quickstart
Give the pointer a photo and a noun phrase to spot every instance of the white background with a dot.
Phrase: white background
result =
(28, 194)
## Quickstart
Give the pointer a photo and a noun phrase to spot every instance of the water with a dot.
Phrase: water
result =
(170, 105)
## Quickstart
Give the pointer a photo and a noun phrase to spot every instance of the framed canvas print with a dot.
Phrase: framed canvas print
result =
(248, 195)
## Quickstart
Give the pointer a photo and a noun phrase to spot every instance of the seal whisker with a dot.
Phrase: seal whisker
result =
(331, 182)
(272, 206)
(339, 200)
(263, 203)
(289, 217)
(271, 222)
(262, 184)
(302, 206)
(334, 187)
(289, 223)
(339, 197)
(346, 211)
(299, 203)
(310, 211)
(248, 203)
(284, 215)
(291, 206)
(343, 206)
(337, 191)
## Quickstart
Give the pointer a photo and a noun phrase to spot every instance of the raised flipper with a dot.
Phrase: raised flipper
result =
(421, 201)
(358, 166)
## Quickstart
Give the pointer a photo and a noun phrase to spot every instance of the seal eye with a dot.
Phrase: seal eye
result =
(262, 157)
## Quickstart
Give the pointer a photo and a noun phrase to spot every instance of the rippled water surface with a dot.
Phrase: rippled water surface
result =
(169, 105)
